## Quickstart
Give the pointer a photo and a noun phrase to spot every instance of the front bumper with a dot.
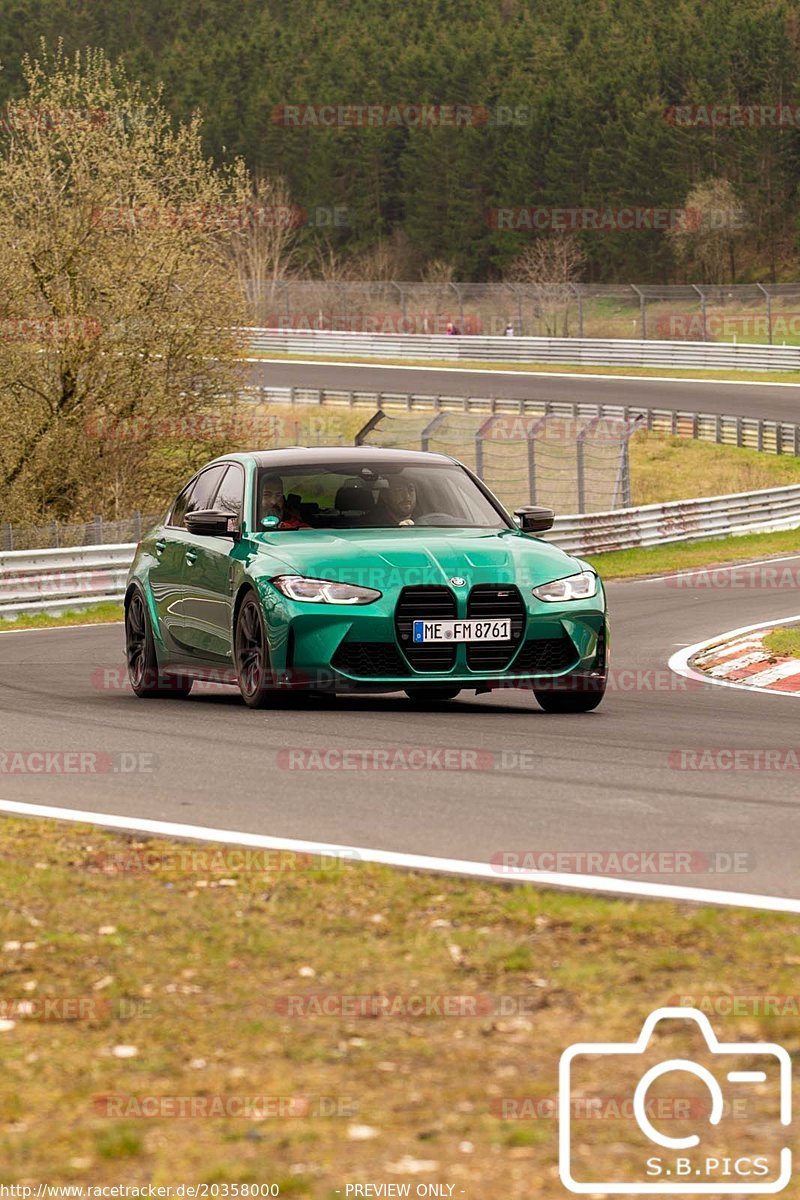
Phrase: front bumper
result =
(358, 648)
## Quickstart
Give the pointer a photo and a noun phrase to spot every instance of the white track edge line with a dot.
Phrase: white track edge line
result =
(679, 662)
(415, 862)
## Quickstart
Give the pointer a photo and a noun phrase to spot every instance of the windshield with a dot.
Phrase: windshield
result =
(369, 495)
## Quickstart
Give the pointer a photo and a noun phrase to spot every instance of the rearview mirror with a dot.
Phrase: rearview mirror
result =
(533, 518)
(209, 522)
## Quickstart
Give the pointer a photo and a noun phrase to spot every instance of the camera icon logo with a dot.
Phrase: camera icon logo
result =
(731, 1076)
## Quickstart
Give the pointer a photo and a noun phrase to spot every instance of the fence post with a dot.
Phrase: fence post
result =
(8, 536)
(768, 296)
(579, 472)
(97, 527)
(701, 294)
(137, 526)
(642, 311)
(532, 467)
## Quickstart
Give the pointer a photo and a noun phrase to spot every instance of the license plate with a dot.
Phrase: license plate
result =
(462, 631)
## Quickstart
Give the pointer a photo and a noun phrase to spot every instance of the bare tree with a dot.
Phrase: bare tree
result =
(117, 302)
(263, 247)
(548, 267)
(709, 229)
(438, 271)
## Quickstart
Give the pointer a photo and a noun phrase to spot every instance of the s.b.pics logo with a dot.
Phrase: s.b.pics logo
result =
(710, 1121)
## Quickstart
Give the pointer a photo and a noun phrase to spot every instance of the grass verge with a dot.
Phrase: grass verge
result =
(186, 970)
(783, 642)
(93, 615)
(546, 368)
(674, 468)
(683, 556)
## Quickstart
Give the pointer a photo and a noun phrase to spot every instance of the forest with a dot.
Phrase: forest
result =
(402, 129)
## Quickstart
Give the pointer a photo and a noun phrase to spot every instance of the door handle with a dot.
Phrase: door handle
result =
(161, 546)
(191, 557)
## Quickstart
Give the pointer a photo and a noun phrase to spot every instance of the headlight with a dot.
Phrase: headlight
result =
(574, 587)
(323, 591)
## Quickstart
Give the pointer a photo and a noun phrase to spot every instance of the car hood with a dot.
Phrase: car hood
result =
(383, 558)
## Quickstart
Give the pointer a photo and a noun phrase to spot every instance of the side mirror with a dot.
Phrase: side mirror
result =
(209, 522)
(534, 519)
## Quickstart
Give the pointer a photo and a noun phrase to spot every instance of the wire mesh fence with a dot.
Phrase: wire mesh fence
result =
(750, 313)
(572, 464)
(97, 532)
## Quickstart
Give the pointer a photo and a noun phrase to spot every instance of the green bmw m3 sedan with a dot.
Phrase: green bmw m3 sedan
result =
(360, 570)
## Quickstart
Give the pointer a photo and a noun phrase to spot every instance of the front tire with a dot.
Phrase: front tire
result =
(146, 680)
(253, 669)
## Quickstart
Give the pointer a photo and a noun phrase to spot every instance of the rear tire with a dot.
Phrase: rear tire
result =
(147, 682)
(432, 695)
(251, 651)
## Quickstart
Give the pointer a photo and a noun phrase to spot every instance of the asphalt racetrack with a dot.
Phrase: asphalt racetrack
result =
(503, 778)
(775, 402)
(523, 780)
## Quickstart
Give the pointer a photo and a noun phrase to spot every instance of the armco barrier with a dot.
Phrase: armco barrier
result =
(52, 581)
(475, 348)
(755, 433)
(55, 580)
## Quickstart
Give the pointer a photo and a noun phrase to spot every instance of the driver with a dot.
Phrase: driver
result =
(397, 503)
(275, 504)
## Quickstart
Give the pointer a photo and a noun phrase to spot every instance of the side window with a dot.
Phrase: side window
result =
(205, 489)
(230, 497)
(179, 507)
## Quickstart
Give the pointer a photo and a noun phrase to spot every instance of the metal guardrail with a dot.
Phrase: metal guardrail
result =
(57, 580)
(54, 581)
(576, 351)
(754, 433)
(679, 521)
